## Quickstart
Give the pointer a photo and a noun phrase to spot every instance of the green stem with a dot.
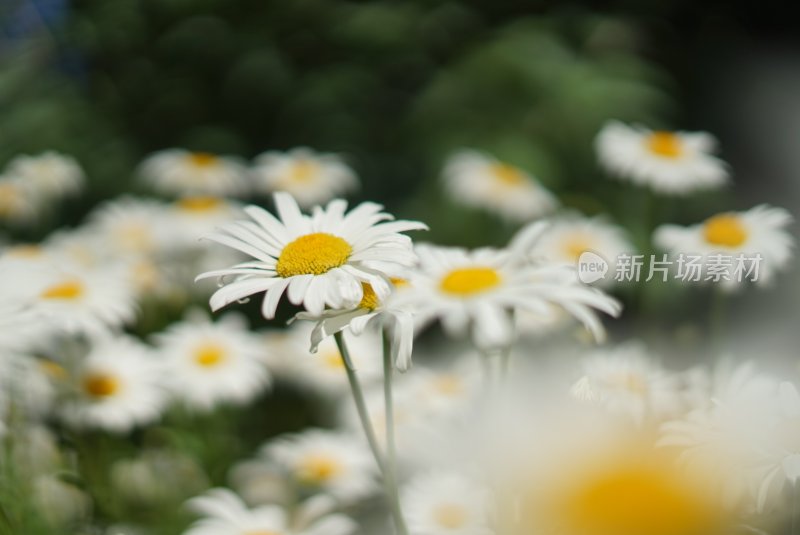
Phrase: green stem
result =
(718, 314)
(391, 446)
(366, 424)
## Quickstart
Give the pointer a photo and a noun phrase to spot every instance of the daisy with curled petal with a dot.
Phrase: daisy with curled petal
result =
(311, 178)
(211, 363)
(115, 387)
(182, 172)
(331, 462)
(443, 503)
(49, 174)
(224, 513)
(480, 290)
(762, 230)
(319, 260)
(481, 181)
(667, 162)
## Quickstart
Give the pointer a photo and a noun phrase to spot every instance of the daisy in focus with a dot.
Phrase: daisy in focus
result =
(446, 504)
(479, 291)
(332, 462)
(180, 172)
(672, 163)
(224, 513)
(116, 387)
(212, 363)
(759, 231)
(311, 178)
(480, 181)
(321, 260)
(49, 175)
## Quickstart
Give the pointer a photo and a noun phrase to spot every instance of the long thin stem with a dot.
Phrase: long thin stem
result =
(366, 424)
(391, 447)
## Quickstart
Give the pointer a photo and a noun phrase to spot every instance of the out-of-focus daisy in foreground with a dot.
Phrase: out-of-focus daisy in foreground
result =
(318, 260)
(211, 363)
(311, 178)
(446, 504)
(480, 290)
(182, 172)
(116, 387)
(480, 181)
(332, 462)
(224, 513)
(759, 231)
(626, 381)
(667, 162)
(48, 175)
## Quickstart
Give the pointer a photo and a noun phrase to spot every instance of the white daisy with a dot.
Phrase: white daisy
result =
(667, 162)
(565, 239)
(116, 387)
(481, 290)
(196, 216)
(319, 260)
(181, 172)
(758, 231)
(311, 178)
(446, 504)
(626, 381)
(224, 513)
(323, 371)
(481, 181)
(49, 174)
(210, 363)
(20, 320)
(132, 227)
(17, 204)
(332, 462)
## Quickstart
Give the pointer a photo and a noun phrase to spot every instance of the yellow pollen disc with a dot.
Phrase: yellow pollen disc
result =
(303, 171)
(202, 159)
(198, 204)
(449, 385)
(317, 469)
(399, 283)
(313, 254)
(629, 381)
(725, 229)
(370, 300)
(507, 174)
(100, 385)
(665, 144)
(333, 359)
(53, 369)
(25, 251)
(209, 355)
(469, 281)
(450, 516)
(574, 246)
(66, 291)
(135, 236)
(9, 198)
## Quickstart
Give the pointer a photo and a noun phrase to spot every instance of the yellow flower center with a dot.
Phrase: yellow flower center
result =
(65, 291)
(450, 516)
(135, 236)
(25, 251)
(9, 198)
(628, 381)
(303, 171)
(725, 229)
(333, 359)
(507, 174)
(318, 469)
(53, 369)
(370, 300)
(665, 144)
(313, 254)
(449, 385)
(203, 159)
(209, 355)
(470, 281)
(576, 245)
(100, 385)
(199, 204)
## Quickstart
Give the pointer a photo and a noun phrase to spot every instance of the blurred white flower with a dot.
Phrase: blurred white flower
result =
(196, 216)
(318, 260)
(311, 178)
(625, 380)
(331, 462)
(116, 387)
(17, 204)
(224, 513)
(181, 172)
(442, 503)
(762, 230)
(211, 363)
(130, 226)
(59, 502)
(667, 162)
(478, 180)
(48, 175)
